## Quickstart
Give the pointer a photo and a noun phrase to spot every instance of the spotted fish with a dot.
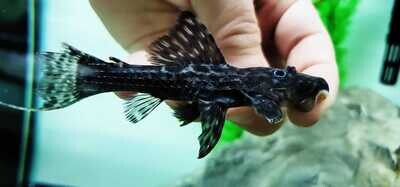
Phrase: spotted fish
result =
(187, 65)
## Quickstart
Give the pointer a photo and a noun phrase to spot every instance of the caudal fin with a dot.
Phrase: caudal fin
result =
(58, 82)
(58, 85)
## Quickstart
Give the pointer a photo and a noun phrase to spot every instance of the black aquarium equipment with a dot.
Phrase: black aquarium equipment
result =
(391, 65)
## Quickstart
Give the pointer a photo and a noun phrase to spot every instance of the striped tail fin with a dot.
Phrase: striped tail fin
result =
(58, 84)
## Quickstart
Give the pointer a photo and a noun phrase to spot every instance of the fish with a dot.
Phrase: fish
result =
(186, 65)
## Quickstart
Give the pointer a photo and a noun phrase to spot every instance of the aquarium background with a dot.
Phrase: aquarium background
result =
(91, 144)
(365, 46)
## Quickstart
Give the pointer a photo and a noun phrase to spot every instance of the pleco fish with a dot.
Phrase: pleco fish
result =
(186, 66)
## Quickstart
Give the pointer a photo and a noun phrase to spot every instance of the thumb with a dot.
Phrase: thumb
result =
(235, 28)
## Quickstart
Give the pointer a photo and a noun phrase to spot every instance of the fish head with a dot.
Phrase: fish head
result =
(303, 90)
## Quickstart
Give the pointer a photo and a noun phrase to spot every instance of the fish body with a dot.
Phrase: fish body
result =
(184, 82)
(187, 82)
(186, 66)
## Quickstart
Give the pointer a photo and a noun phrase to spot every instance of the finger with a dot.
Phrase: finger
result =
(125, 95)
(181, 4)
(308, 47)
(235, 28)
(174, 104)
(248, 119)
(269, 12)
(135, 24)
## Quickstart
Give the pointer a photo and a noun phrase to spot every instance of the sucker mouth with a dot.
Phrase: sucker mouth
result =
(323, 86)
(306, 105)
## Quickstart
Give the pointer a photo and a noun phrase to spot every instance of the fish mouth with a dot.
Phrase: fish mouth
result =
(307, 104)
(323, 86)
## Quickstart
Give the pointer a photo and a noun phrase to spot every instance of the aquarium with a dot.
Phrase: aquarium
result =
(96, 146)
(90, 143)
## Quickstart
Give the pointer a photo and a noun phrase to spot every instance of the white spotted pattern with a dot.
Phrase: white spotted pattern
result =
(58, 84)
(188, 42)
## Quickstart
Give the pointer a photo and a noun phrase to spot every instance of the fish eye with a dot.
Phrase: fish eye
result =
(279, 73)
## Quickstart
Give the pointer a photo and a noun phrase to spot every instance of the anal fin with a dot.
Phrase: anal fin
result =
(140, 106)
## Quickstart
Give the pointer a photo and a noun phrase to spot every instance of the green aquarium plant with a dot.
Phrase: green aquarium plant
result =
(336, 15)
(230, 132)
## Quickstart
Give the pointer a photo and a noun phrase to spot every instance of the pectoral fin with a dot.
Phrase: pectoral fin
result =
(212, 116)
(269, 108)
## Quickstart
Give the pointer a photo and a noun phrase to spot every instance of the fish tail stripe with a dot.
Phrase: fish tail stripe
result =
(58, 85)
(140, 106)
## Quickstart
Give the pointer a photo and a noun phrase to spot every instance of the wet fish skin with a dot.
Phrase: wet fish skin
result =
(187, 65)
(191, 82)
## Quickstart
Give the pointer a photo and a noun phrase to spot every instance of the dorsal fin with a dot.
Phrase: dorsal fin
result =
(188, 41)
(85, 58)
(89, 59)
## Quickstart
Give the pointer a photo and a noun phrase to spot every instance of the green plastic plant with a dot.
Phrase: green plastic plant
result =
(336, 15)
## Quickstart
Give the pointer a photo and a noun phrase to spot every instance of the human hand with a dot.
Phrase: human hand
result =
(287, 32)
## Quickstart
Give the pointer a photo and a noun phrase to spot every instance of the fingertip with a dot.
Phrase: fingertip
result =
(175, 104)
(181, 4)
(125, 94)
(303, 119)
(308, 119)
(248, 119)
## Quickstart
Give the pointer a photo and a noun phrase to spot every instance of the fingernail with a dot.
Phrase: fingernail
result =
(322, 96)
